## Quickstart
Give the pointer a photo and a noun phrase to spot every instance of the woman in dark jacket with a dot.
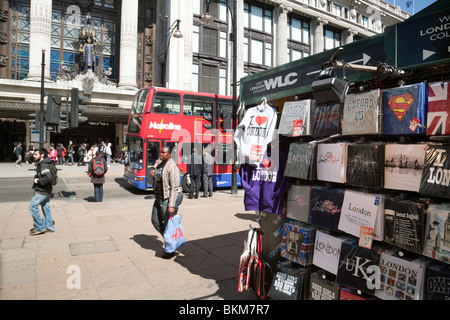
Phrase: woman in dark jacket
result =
(97, 174)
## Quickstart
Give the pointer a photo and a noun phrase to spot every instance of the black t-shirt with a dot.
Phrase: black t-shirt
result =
(157, 181)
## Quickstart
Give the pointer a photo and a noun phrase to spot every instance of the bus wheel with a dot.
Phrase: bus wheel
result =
(184, 184)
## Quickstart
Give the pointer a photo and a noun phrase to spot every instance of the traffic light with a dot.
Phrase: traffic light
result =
(225, 114)
(64, 121)
(209, 114)
(35, 123)
(76, 109)
(53, 111)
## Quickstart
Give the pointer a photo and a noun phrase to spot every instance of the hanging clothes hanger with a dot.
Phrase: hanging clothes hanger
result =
(263, 105)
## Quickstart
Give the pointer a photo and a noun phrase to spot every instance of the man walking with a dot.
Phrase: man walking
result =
(42, 186)
(208, 165)
(70, 153)
(194, 169)
(18, 153)
(168, 195)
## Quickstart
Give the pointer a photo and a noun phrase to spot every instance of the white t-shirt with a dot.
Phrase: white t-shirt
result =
(255, 132)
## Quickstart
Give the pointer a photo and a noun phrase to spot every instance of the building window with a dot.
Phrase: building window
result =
(258, 36)
(20, 39)
(258, 18)
(208, 79)
(298, 38)
(332, 38)
(64, 38)
(337, 10)
(195, 77)
(210, 48)
(365, 21)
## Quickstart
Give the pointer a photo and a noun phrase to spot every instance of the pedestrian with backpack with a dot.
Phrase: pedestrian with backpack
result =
(97, 169)
(43, 183)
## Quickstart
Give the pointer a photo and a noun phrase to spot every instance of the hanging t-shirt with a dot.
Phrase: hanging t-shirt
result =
(301, 162)
(401, 278)
(405, 109)
(361, 113)
(360, 210)
(403, 166)
(438, 120)
(255, 132)
(354, 262)
(265, 183)
(327, 120)
(296, 119)
(437, 280)
(325, 207)
(437, 239)
(365, 164)
(298, 202)
(327, 250)
(435, 181)
(331, 162)
(404, 223)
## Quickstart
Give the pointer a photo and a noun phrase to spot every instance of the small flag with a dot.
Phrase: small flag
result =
(409, 3)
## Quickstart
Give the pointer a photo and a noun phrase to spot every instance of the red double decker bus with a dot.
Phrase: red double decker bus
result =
(161, 116)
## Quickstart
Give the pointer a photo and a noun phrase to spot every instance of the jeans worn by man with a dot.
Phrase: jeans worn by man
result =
(42, 186)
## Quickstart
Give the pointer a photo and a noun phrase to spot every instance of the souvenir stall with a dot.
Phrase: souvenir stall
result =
(350, 174)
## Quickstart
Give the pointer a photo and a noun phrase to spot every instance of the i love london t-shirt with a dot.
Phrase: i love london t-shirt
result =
(255, 132)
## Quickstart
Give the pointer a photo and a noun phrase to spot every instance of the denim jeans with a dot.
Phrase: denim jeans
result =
(44, 202)
(98, 192)
(69, 157)
(160, 215)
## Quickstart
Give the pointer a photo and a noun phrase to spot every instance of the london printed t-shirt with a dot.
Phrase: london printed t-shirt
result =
(265, 183)
(359, 210)
(327, 250)
(400, 279)
(435, 179)
(255, 132)
(296, 119)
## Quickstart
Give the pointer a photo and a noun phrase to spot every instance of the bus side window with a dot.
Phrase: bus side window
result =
(167, 103)
(187, 108)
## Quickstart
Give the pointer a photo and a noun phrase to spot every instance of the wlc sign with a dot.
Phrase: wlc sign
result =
(280, 81)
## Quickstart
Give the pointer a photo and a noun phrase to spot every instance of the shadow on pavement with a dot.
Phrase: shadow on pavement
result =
(215, 258)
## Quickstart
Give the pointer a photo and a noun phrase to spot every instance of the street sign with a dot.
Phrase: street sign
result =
(296, 77)
(424, 40)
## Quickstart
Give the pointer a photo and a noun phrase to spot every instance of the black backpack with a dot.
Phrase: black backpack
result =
(99, 167)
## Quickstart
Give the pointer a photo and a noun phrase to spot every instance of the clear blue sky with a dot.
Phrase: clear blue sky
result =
(418, 4)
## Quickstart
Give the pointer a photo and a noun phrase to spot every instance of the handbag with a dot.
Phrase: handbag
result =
(173, 234)
(252, 267)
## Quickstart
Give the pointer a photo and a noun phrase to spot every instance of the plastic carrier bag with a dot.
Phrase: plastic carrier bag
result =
(173, 235)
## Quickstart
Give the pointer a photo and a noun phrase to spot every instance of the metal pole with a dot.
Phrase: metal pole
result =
(234, 188)
(41, 113)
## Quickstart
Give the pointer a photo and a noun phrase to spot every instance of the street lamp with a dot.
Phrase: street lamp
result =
(207, 18)
(173, 31)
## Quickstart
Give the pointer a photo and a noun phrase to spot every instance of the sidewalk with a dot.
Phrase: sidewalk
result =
(110, 250)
